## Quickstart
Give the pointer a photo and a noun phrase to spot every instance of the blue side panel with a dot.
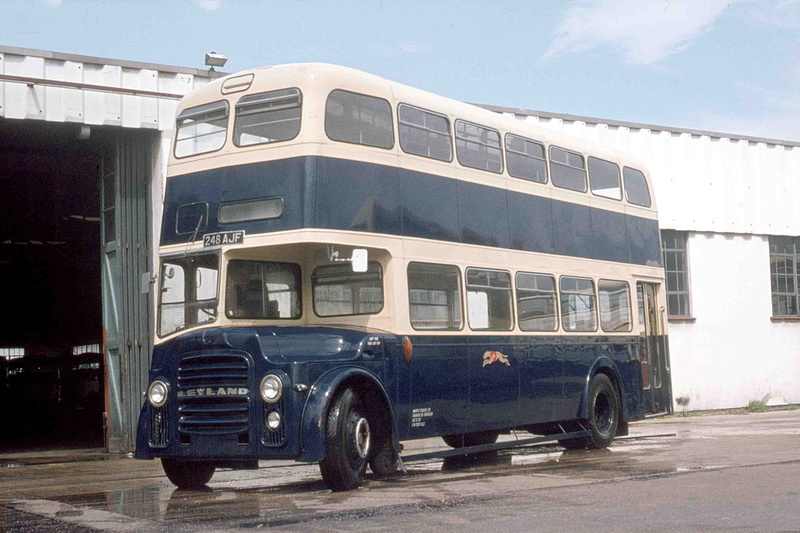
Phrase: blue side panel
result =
(321, 192)
(572, 226)
(439, 382)
(531, 223)
(483, 215)
(357, 196)
(540, 383)
(494, 387)
(644, 241)
(430, 206)
(274, 179)
(608, 232)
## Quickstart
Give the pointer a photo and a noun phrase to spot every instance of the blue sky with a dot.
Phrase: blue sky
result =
(723, 65)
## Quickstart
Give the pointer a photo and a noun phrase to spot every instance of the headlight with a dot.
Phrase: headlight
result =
(271, 388)
(157, 393)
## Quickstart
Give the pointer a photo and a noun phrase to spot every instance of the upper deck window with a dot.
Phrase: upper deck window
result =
(478, 147)
(525, 159)
(604, 179)
(201, 129)
(567, 169)
(636, 190)
(263, 289)
(267, 117)
(338, 291)
(359, 119)
(424, 133)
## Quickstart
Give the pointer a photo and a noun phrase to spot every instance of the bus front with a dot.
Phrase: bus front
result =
(261, 317)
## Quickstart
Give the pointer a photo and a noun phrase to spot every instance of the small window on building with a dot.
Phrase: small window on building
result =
(784, 257)
(673, 243)
(578, 304)
(536, 302)
(615, 306)
(478, 147)
(525, 159)
(424, 133)
(267, 117)
(201, 129)
(359, 119)
(489, 299)
(604, 179)
(434, 296)
(636, 190)
(191, 218)
(12, 353)
(263, 290)
(338, 291)
(567, 169)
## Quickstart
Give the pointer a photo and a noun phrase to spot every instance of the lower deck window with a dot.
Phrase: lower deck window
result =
(615, 306)
(338, 291)
(263, 289)
(536, 302)
(489, 299)
(578, 304)
(434, 296)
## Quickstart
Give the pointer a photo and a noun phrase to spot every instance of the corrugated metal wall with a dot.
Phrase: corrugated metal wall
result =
(134, 166)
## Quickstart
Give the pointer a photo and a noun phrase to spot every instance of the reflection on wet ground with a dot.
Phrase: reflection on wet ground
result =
(290, 493)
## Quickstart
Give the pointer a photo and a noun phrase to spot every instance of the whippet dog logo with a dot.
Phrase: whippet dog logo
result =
(491, 357)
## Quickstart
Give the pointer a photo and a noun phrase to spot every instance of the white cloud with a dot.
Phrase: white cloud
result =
(53, 3)
(209, 5)
(644, 31)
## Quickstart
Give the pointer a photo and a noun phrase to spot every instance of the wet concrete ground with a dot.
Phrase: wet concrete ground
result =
(680, 473)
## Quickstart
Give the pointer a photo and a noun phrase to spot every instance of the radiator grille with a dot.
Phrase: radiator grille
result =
(216, 411)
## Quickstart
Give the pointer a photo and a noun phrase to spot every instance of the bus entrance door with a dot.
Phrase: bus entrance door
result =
(655, 365)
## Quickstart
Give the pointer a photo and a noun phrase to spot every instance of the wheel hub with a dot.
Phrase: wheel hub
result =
(361, 437)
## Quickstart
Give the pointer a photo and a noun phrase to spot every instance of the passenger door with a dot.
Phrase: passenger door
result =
(656, 381)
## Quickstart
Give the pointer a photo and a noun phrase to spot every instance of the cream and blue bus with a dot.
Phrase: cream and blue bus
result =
(348, 263)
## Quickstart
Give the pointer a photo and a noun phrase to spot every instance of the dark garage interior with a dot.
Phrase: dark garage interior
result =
(51, 333)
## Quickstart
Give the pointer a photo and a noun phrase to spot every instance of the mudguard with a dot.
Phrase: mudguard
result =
(606, 363)
(313, 440)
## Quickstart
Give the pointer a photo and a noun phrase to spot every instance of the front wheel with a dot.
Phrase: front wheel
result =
(188, 474)
(348, 442)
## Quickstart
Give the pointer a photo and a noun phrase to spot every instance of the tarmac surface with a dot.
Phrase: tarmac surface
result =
(697, 473)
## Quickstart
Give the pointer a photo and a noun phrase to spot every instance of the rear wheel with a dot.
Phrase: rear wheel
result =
(188, 474)
(603, 416)
(471, 439)
(348, 442)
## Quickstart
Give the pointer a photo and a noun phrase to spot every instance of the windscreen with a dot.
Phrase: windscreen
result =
(188, 292)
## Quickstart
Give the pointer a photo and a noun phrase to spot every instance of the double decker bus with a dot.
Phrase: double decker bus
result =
(348, 263)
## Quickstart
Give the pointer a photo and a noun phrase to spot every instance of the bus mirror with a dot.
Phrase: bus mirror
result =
(359, 260)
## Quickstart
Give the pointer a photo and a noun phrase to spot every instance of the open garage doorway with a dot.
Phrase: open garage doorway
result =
(51, 333)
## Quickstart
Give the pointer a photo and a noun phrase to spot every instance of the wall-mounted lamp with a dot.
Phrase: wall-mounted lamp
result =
(214, 59)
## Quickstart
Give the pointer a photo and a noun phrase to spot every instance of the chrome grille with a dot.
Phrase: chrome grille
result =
(159, 425)
(215, 414)
(278, 436)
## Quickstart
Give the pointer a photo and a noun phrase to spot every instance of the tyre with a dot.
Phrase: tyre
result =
(470, 439)
(603, 419)
(603, 411)
(384, 461)
(188, 474)
(348, 442)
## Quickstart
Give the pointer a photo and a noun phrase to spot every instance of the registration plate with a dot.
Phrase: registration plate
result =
(224, 237)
